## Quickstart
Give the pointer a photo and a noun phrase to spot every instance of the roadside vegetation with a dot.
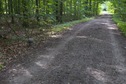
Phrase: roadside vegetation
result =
(67, 25)
(117, 8)
(121, 24)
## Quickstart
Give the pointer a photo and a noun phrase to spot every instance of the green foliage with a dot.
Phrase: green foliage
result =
(1, 63)
(60, 10)
(1, 66)
(120, 24)
(119, 8)
(110, 7)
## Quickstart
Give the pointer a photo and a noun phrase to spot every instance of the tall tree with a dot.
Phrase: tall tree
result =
(1, 8)
(11, 10)
(37, 10)
(25, 12)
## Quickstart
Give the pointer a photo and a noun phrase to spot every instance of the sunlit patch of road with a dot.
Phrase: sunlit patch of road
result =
(105, 13)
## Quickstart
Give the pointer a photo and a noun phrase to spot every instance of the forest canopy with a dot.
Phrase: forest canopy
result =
(55, 10)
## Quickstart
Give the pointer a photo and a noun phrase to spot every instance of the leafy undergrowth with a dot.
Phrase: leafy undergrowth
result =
(16, 46)
(65, 26)
(121, 24)
(1, 66)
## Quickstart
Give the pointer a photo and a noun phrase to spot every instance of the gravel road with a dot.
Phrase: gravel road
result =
(89, 53)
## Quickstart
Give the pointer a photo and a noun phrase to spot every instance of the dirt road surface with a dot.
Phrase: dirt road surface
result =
(89, 53)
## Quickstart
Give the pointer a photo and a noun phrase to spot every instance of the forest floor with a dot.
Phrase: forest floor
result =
(88, 53)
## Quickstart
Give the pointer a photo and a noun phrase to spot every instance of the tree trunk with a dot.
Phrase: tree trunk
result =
(56, 10)
(37, 10)
(1, 8)
(11, 10)
(25, 13)
(60, 11)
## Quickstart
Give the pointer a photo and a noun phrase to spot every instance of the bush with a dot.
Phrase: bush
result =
(120, 24)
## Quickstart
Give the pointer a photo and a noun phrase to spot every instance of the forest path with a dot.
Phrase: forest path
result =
(89, 53)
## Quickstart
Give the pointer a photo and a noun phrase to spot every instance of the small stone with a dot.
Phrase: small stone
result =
(125, 47)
